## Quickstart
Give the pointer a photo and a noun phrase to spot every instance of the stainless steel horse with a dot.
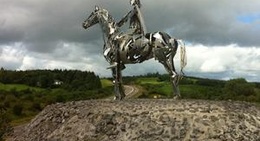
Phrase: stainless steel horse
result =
(128, 48)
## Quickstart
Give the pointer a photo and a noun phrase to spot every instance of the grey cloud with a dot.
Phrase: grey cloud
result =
(50, 22)
(204, 21)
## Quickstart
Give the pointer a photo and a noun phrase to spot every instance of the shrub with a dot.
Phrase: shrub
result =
(36, 106)
(60, 98)
(18, 109)
(236, 88)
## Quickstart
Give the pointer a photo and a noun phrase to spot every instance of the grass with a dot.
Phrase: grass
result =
(106, 83)
(148, 80)
(17, 87)
(22, 121)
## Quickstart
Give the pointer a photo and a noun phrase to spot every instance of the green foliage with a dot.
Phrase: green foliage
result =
(5, 126)
(239, 88)
(210, 82)
(36, 106)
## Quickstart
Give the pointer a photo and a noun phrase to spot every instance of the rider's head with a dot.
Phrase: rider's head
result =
(134, 2)
(96, 8)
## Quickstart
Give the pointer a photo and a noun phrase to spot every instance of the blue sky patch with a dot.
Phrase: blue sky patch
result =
(250, 18)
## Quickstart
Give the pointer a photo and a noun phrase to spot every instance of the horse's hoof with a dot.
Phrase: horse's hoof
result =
(118, 98)
(176, 97)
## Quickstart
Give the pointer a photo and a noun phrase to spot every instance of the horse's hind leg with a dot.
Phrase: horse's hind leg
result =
(173, 79)
(174, 76)
(167, 61)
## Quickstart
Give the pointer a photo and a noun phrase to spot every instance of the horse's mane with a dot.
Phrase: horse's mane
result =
(110, 17)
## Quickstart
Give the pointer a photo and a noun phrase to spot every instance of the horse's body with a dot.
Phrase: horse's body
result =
(129, 48)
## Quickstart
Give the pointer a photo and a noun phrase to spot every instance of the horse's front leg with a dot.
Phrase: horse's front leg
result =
(117, 75)
(115, 82)
(173, 78)
(118, 84)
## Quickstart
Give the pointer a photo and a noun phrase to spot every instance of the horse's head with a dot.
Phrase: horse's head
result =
(101, 16)
(92, 19)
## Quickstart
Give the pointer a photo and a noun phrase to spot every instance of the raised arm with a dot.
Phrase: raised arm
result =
(124, 19)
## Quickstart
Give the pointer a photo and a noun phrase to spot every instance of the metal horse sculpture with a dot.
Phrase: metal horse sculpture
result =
(128, 48)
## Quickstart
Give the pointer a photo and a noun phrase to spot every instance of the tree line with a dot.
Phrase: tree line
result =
(66, 79)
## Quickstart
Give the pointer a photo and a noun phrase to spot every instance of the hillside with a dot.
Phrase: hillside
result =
(141, 119)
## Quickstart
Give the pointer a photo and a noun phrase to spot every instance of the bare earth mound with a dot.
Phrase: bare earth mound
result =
(145, 120)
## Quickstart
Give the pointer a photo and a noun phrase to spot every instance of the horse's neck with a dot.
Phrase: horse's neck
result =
(110, 32)
(108, 25)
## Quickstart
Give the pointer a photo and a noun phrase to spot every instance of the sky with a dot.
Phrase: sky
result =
(222, 37)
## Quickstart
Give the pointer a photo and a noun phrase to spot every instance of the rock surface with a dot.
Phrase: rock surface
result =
(153, 120)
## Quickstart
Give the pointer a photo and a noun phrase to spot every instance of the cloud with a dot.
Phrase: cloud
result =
(221, 62)
(11, 58)
(222, 36)
(229, 61)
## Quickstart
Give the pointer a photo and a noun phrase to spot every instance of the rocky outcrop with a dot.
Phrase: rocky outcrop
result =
(170, 120)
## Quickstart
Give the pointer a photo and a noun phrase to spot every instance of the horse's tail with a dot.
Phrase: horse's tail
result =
(183, 57)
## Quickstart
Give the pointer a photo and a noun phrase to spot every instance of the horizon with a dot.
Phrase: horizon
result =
(139, 75)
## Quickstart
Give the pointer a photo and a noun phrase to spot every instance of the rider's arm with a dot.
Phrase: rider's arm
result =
(124, 19)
